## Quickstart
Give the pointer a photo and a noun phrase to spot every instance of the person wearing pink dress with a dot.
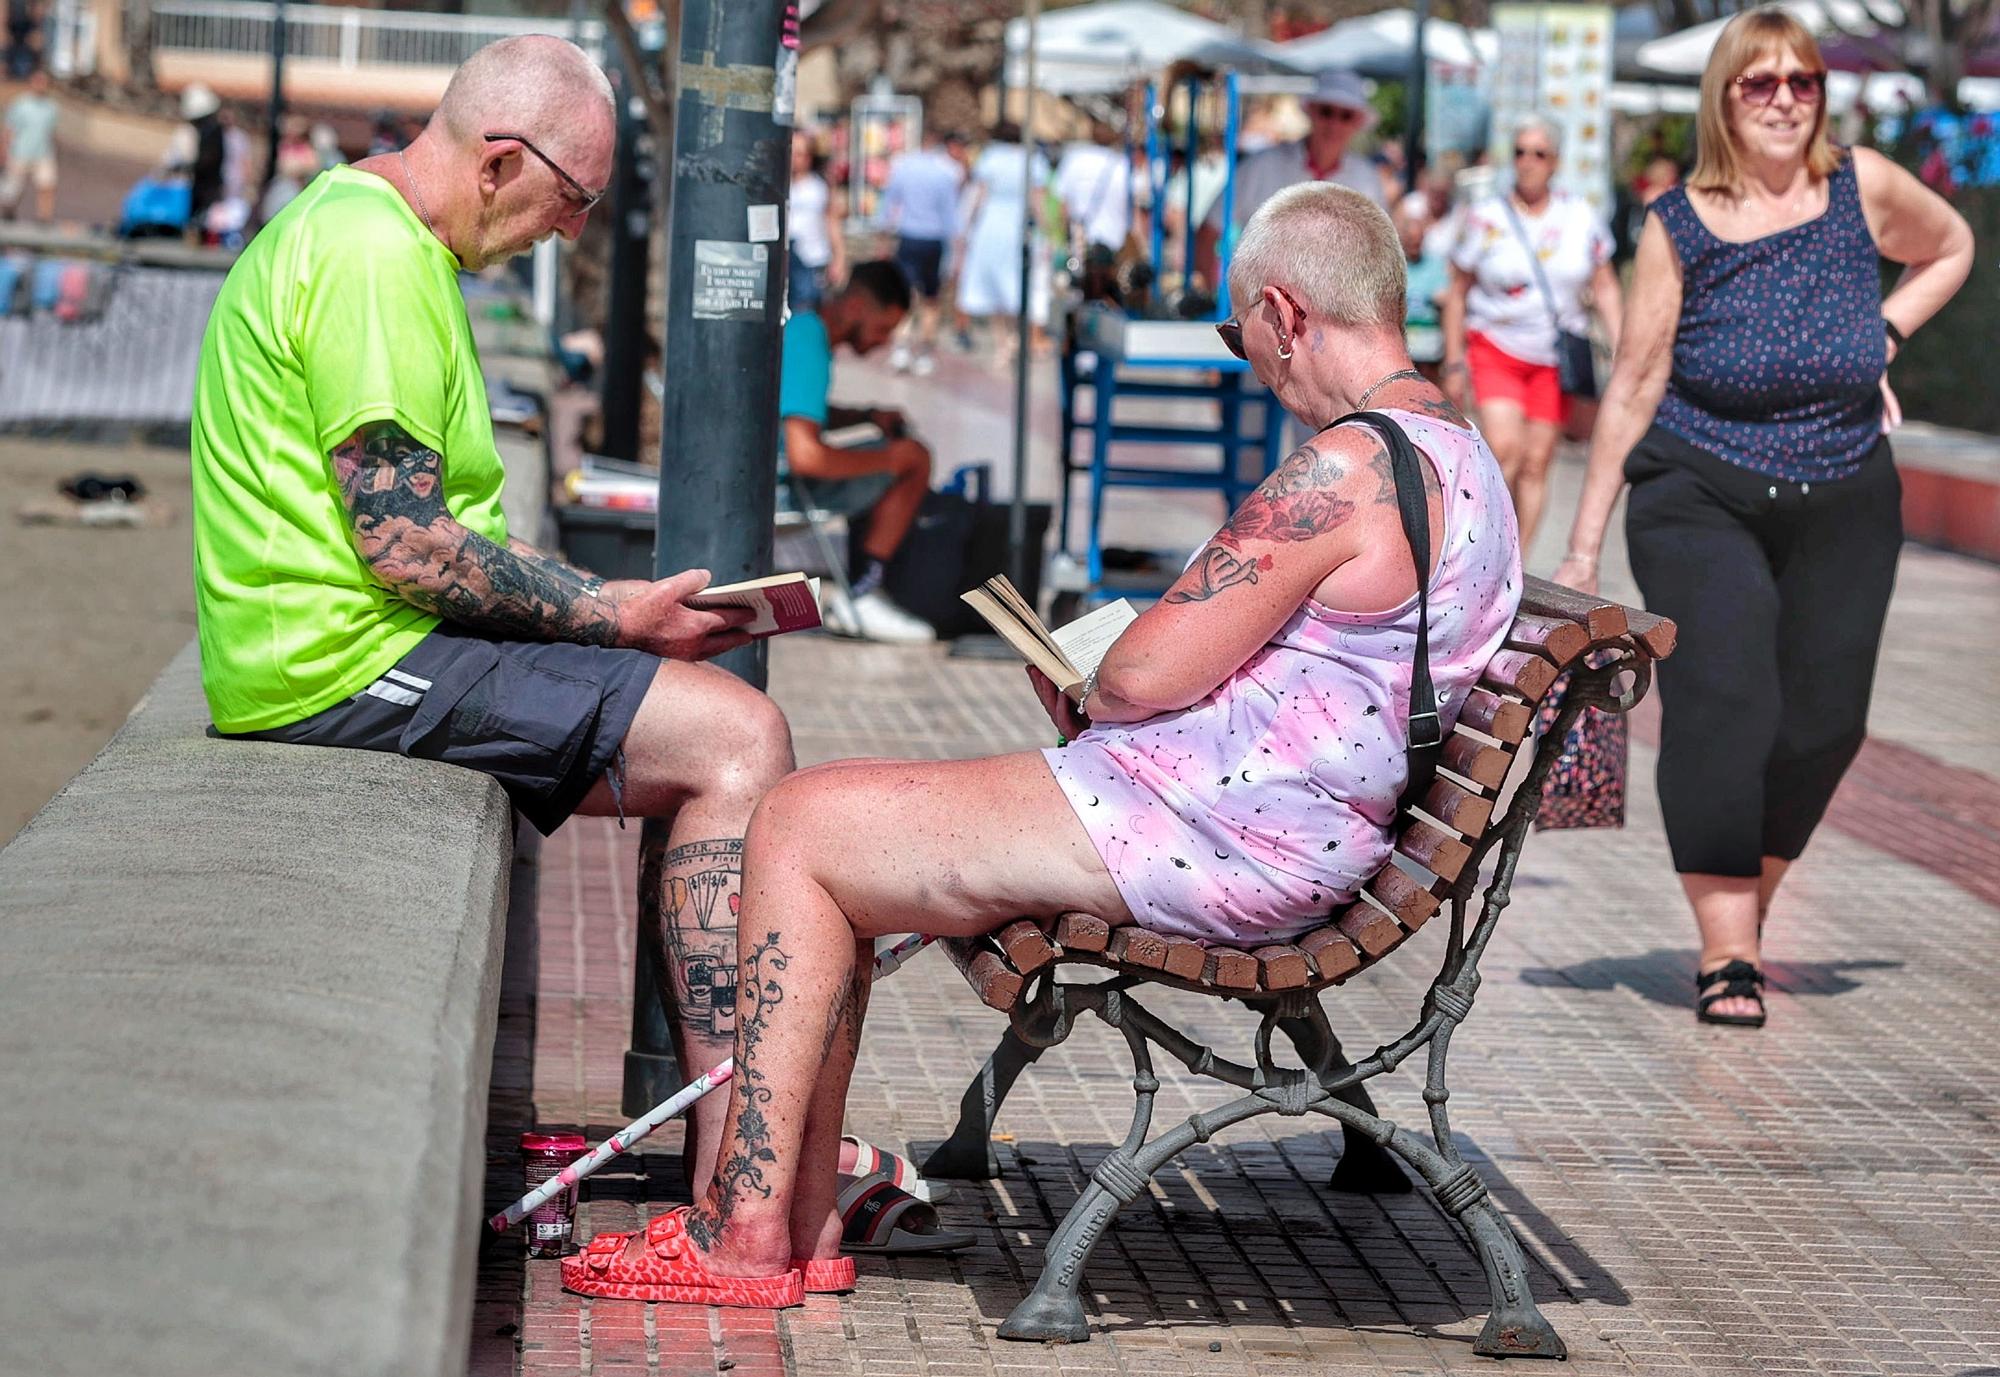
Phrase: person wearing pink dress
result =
(1234, 767)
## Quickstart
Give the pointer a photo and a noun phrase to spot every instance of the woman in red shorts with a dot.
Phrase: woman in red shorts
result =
(1500, 315)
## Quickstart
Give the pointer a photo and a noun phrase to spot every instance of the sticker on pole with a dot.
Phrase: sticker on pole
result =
(729, 279)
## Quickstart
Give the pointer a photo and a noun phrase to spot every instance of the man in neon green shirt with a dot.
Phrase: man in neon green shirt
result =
(356, 584)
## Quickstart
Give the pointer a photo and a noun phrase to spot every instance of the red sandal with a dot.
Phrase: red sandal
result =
(672, 1269)
(827, 1276)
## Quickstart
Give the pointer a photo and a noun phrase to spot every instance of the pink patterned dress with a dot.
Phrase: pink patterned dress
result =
(1245, 818)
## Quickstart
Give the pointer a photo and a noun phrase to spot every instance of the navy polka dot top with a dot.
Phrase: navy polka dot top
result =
(1780, 348)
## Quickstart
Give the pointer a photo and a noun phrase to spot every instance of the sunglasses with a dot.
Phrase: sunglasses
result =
(1339, 114)
(1231, 330)
(1540, 155)
(1806, 87)
(584, 199)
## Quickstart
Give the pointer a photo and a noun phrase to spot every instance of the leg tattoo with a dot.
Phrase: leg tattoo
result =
(698, 889)
(741, 1169)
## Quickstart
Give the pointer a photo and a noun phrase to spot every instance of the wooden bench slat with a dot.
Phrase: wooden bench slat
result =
(1552, 638)
(1282, 966)
(1186, 958)
(1134, 946)
(1500, 718)
(1084, 932)
(1026, 947)
(1526, 676)
(1438, 852)
(1412, 902)
(1470, 758)
(1656, 635)
(1230, 969)
(1369, 928)
(1464, 812)
(1331, 953)
(1605, 621)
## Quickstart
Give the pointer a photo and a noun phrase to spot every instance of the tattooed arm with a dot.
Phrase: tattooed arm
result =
(1332, 502)
(393, 488)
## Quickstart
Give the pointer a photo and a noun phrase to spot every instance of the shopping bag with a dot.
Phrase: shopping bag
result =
(1586, 785)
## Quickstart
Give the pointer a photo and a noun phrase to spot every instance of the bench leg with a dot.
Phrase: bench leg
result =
(1365, 1166)
(967, 1155)
(1516, 1328)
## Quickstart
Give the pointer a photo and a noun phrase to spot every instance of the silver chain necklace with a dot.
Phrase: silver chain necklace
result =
(411, 181)
(1383, 382)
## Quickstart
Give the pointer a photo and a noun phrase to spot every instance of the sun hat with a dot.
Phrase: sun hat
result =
(1341, 87)
(198, 101)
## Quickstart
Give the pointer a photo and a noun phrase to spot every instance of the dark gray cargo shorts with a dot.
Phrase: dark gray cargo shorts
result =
(546, 721)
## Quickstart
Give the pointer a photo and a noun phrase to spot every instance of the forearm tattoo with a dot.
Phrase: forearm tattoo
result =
(745, 1155)
(393, 486)
(694, 891)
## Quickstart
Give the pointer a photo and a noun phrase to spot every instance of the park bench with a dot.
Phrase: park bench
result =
(1442, 847)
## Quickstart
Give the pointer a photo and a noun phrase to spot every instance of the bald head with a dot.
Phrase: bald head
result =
(535, 85)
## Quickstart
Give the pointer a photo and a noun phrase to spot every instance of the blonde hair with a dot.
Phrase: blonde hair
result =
(1751, 35)
(1332, 248)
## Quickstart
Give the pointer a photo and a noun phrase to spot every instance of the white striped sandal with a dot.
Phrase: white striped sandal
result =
(878, 1216)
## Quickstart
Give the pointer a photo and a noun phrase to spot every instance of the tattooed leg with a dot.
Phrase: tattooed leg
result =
(691, 890)
(815, 1222)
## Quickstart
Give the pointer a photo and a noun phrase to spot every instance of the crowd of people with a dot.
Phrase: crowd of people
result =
(391, 609)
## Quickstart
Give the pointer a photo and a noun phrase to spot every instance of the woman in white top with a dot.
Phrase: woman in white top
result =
(818, 259)
(1499, 328)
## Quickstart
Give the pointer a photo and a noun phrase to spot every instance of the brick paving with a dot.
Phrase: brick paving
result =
(1823, 1196)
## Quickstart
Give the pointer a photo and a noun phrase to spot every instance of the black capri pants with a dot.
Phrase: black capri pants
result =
(1780, 591)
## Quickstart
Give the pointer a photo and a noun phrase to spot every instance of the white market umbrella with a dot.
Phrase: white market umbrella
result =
(1686, 53)
(1108, 46)
(1378, 45)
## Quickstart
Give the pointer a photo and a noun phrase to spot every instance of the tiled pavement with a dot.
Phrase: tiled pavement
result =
(1823, 1196)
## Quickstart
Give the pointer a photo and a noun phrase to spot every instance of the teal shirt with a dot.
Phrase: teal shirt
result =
(31, 128)
(805, 372)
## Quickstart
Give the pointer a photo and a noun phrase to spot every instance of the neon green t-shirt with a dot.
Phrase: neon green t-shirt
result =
(343, 310)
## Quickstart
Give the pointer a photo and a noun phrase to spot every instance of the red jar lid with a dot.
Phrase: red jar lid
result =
(553, 1142)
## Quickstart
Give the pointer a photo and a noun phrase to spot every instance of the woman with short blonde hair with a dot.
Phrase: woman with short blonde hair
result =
(1748, 409)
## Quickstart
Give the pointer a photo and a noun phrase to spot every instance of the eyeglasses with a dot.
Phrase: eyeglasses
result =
(1231, 330)
(1339, 114)
(1806, 87)
(585, 198)
(1540, 155)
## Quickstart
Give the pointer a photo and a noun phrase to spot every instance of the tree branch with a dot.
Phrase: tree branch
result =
(836, 21)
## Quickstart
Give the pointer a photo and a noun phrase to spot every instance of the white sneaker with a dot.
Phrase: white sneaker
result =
(899, 359)
(923, 365)
(872, 617)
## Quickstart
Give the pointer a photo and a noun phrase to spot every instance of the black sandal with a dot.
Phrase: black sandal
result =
(1739, 980)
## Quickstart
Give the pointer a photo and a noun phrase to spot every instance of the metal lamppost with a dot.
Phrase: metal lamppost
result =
(729, 177)
(1413, 133)
(1017, 513)
(277, 113)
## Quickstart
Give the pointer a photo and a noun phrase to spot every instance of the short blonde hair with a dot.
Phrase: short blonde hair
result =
(531, 84)
(1332, 248)
(1751, 35)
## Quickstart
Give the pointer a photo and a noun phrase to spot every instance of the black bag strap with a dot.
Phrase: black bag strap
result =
(1534, 262)
(1426, 729)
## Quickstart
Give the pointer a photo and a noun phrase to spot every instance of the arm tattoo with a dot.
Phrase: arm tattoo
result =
(1300, 500)
(695, 891)
(740, 1171)
(393, 487)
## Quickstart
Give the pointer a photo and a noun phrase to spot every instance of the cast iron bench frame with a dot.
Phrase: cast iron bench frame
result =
(1441, 849)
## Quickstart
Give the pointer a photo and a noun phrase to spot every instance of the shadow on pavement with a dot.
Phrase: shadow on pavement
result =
(1662, 975)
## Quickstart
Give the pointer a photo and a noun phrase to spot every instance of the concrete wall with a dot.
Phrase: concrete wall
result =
(247, 996)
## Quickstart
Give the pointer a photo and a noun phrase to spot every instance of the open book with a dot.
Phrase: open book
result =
(1065, 655)
(782, 602)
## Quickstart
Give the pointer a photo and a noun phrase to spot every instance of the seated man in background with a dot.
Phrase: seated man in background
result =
(886, 479)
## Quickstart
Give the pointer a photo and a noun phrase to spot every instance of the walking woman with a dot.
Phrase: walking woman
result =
(1749, 408)
(1524, 261)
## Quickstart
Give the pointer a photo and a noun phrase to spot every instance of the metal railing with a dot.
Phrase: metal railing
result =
(348, 37)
